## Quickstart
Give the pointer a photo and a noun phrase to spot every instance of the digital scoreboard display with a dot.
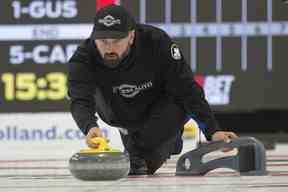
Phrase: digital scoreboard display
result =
(36, 41)
(237, 49)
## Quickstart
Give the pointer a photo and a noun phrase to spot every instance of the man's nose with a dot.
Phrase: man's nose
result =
(110, 47)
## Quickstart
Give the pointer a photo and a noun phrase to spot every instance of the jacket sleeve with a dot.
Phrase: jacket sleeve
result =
(180, 83)
(81, 90)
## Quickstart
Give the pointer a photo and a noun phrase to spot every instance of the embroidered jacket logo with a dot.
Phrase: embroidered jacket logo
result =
(175, 52)
(130, 91)
(109, 21)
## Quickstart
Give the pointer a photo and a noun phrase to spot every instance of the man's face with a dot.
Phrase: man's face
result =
(114, 50)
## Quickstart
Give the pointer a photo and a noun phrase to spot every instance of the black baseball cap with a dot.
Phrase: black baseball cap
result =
(112, 22)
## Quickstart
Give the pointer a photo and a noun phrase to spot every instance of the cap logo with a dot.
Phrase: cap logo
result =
(109, 21)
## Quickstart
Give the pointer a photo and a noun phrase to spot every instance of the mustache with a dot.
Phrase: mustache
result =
(111, 54)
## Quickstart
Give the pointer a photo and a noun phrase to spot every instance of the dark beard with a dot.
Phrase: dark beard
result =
(112, 60)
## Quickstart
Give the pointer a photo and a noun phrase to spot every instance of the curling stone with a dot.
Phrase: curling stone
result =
(101, 163)
(250, 159)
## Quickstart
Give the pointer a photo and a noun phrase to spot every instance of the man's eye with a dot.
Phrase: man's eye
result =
(118, 41)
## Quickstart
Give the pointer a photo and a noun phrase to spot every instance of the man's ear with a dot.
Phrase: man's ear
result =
(131, 36)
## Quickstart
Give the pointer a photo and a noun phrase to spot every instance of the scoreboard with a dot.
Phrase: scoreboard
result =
(37, 38)
(236, 48)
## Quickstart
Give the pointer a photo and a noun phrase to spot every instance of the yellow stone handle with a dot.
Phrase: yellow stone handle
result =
(102, 143)
(102, 146)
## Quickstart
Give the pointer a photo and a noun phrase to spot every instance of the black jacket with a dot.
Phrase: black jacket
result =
(154, 69)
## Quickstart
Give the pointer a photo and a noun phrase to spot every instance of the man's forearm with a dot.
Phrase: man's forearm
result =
(84, 115)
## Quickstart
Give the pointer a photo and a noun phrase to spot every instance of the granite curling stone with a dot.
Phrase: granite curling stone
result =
(101, 163)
